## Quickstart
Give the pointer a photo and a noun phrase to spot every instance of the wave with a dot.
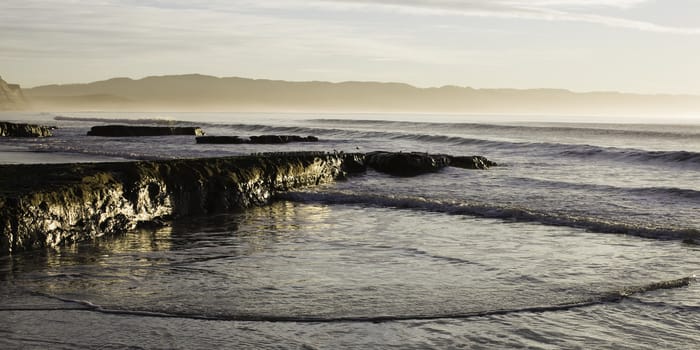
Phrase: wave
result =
(156, 121)
(598, 129)
(159, 121)
(548, 149)
(668, 192)
(258, 128)
(613, 296)
(382, 135)
(624, 130)
(113, 152)
(614, 153)
(581, 151)
(495, 212)
(443, 258)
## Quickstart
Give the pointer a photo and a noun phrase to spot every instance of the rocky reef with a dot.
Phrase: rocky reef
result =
(131, 130)
(46, 205)
(11, 96)
(51, 204)
(406, 164)
(415, 163)
(262, 139)
(25, 130)
(234, 140)
(471, 162)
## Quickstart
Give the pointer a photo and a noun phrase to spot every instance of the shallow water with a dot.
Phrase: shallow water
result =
(560, 246)
(304, 272)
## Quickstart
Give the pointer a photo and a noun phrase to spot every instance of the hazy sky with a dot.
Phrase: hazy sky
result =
(628, 45)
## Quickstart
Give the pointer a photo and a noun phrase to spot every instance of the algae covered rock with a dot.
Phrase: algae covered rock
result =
(25, 130)
(406, 164)
(221, 140)
(471, 162)
(46, 205)
(415, 163)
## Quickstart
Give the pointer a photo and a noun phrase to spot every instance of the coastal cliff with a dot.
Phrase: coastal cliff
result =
(11, 96)
(51, 204)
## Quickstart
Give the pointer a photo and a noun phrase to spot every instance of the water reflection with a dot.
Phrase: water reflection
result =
(290, 261)
(232, 234)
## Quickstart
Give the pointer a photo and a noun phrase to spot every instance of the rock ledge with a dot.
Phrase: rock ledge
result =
(130, 130)
(24, 130)
(45, 205)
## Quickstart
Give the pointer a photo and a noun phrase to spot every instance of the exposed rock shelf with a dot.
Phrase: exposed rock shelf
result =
(24, 130)
(416, 163)
(47, 205)
(471, 162)
(130, 130)
(234, 140)
(406, 164)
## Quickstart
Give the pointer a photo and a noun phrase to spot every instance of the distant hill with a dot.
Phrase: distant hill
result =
(11, 96)
(196, 92)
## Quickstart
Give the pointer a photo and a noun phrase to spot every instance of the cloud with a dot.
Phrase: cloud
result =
(116, 27)
(317, 39)
(174, 33)
(105, 28)
(586, 3)
(547, 10)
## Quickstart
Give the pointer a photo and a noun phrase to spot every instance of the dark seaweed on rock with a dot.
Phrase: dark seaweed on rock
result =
(234, 140)
(471, 162)
(415, 163)
(406, 164)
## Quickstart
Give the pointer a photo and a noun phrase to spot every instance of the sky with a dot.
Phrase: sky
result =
(644, 46)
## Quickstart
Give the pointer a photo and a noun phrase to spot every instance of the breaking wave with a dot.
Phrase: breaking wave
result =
(579, 151)
(142, 121)
(496, 212)
(668, 192)
(599, 129)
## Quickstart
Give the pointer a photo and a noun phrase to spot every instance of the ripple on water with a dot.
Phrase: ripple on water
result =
(293, 261)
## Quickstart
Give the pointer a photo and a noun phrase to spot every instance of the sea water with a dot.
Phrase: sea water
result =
(537, 252)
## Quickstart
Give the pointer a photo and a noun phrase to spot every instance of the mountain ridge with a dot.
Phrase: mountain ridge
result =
(205, 92)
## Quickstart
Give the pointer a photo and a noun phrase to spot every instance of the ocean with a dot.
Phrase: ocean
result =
(581, 237)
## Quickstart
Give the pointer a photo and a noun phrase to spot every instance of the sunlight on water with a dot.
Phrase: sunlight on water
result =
(291, 262)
